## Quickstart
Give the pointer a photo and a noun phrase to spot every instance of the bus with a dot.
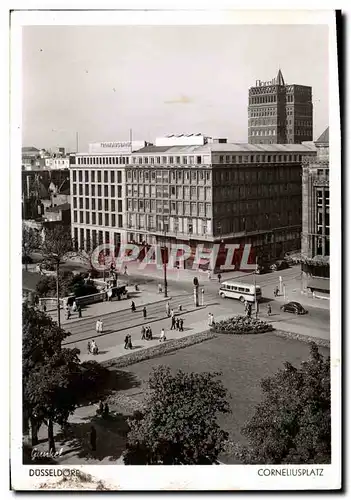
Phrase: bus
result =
(240, 291)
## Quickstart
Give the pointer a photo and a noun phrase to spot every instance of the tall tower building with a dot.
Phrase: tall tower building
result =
(279, 113)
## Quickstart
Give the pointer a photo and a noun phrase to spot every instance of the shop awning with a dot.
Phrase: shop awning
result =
(319, 284)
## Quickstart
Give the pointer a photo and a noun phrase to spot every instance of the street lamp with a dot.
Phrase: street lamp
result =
(165, 262)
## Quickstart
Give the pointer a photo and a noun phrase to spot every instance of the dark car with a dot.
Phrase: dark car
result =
(280, 265)
(294, 307)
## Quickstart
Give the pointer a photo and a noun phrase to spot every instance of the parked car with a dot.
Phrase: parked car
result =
(294, 307)
(280, 265)
(262, 269)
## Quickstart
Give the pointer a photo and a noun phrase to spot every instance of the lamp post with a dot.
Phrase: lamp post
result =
(165, 262)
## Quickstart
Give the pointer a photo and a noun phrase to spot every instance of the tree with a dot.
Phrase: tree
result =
(30, 242)
(179, 423)
(292, 423)
(46, 286)
(50, 373)
(56, 248)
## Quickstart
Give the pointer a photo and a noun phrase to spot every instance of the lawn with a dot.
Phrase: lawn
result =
(243, 361)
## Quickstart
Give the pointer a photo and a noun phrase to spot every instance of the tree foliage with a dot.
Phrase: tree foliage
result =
(49, 371)
(292, 423)
(57, 245)
(30, 242)
(179, 424)
(68, 283)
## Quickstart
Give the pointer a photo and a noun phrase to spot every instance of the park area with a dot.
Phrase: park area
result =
(243, 361)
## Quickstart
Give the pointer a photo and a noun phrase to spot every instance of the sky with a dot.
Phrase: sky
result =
(102, 81)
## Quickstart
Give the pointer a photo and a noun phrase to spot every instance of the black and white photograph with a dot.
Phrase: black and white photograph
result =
(175, 250)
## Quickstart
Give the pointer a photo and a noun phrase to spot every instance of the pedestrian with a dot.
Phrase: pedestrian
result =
(44, 308)
(150, 333)
(180, 308)
(93, 438)
(143, 332)
(132, 306)
(126, 342)
(173, 323)
(172, 313)
(212, 319)
(209, 319)
(68, 314)
(168, 309)
(125, 270)
(209, 274)
(105, 411)
(144, 312)
(97, 326)
(219, 277)
(130, 345)
(89, 347)
(101, 326)
(159, 288)
(79, 312)
(162, 336)
(109, 294)
(249, 309)
(100, 408)
(74, 306)
(269, 310)
(177, 324)
(181, 323)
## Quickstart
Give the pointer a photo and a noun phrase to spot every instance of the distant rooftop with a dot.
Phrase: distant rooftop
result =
(228, 148)
(30, 149)
(324, 138)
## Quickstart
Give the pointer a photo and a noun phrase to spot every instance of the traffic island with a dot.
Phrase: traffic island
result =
(241, 325)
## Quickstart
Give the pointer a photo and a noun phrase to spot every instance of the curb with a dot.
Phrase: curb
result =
(302, 338)
(158, 350)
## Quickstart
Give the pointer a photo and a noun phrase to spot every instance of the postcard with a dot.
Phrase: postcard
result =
(175, 245)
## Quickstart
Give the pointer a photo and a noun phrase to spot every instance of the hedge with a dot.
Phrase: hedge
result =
(158, 350)
(241, 325)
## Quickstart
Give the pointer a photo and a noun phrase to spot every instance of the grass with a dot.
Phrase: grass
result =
(243, 361)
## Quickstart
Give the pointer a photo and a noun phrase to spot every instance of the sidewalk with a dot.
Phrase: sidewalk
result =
(118, 350)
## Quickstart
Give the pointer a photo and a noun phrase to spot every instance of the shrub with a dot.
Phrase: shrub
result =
(240, 325)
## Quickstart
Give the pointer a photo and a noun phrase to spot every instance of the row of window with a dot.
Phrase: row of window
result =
(108, 176)
(102, 160)
(90, 239)
(100, 219)
(255, 191)
(263, 132)
(157, 223)
(158, 160)
(166, 176)
(266, 158)
(99, 204)
(167, 191)
(167, 207)
(97, 190)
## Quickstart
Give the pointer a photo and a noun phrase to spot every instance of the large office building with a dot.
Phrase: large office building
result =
(315, 244)
(208, 192)
(279, 113)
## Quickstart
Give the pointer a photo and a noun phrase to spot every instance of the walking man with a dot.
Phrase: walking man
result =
(177, 324)
(219, 277)
(79, 311)
(101, 326)
(125, 270)
(143, 333)
(144, 312)
(97, 326)
(269, 310)
(181, 322)
(173, 323)
(162, 336)
(126, 342)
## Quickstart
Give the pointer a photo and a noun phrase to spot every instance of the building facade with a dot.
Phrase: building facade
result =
(217, 193)
(201, 194)
(315, 245)
(279, 113)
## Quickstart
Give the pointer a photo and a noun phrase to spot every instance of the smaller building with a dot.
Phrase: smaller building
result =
(315, 245)
(60, 213)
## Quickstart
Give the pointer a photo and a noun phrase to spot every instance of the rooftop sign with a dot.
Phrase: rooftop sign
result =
(119, 147)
